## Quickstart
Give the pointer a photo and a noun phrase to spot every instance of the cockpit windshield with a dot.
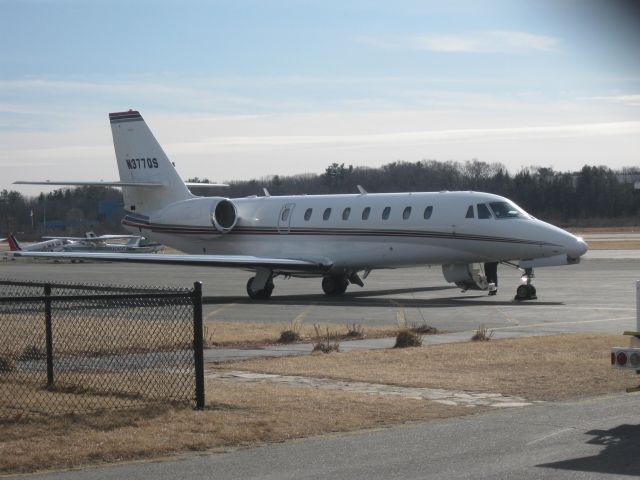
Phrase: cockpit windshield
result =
(507, 210)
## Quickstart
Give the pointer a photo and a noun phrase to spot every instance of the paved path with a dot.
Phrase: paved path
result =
(438, 395)
(590, 439)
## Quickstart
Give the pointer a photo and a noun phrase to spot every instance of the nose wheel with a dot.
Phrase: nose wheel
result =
(526, 291)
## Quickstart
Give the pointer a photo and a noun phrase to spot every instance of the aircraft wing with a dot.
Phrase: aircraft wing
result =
(238, 261)
(91, 183)
(99, 238)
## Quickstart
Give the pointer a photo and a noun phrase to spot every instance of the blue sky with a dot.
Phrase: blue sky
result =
(249, 89)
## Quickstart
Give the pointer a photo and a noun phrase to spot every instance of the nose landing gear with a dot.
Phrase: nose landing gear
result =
(526, 291)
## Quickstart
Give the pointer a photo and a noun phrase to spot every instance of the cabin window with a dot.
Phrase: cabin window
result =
(406, 213)
(386, 212)
(326, 214)
(307, 213)
(285, 214)
(469, 212)
(345, 213)
(506, 210)
(483, 211)
(427, 212)
(365, 213)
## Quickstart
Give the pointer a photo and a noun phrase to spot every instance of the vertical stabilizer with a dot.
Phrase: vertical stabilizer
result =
(141, 159)
(14, 245)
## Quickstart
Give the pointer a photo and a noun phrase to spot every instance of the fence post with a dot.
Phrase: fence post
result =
(48, 334)
(198, 344)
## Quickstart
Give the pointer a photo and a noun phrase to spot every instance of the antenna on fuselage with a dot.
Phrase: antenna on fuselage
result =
(362, 190)
(266, 192)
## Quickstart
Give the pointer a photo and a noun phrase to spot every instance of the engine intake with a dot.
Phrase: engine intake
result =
(466, 276)
(200, 212)
(224, 216)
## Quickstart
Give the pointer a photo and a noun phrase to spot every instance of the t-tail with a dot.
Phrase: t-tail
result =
(151, 178)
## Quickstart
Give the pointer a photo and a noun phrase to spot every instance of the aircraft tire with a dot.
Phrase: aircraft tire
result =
(526, 292)
(260, 294)
(334, 285)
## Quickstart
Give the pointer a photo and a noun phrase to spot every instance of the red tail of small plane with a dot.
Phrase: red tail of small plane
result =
(14, 245)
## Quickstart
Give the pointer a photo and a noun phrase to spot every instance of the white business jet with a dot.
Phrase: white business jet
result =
(335, 237)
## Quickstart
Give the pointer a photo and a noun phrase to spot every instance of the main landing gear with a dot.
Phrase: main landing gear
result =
(261, 286)
(526, 291)
(335, 285)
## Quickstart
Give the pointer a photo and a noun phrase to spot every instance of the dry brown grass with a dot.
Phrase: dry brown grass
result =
(247, 334)
(95, 332)
(588, 230)
(24, 391)
(236, 415)
(614, 244)
(536, 368)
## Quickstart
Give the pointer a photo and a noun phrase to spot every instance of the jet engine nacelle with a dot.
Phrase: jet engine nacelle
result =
(199, 212)
(466, 276)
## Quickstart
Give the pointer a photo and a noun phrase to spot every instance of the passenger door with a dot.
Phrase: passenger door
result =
(284, 219)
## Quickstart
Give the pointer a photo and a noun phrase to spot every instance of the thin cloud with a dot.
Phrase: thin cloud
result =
(489, 41)
(432, 136)
(630, 100)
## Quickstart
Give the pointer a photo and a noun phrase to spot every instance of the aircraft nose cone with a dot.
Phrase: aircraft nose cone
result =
(578, 248)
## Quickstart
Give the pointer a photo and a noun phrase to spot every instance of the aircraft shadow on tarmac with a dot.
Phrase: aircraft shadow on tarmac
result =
(620, 455)
(382, 298)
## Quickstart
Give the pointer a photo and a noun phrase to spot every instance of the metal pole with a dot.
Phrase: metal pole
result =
(198, 344)
(48, 334)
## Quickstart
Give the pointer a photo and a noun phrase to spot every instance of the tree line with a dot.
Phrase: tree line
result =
(592, 196)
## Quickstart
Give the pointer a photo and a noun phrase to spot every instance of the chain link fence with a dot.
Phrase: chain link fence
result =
(77, 348)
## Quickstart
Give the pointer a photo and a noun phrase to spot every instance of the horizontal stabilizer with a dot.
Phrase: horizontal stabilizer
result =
(238, 261)
(93, 184)
(205, 185)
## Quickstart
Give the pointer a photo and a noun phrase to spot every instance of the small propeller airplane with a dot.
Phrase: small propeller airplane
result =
(89, 243)
(334, 237)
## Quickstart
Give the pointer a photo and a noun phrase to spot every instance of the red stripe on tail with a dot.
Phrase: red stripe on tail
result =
(14, 246)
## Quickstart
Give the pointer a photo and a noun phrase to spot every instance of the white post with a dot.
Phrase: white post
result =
(635, 341)
(637, 305)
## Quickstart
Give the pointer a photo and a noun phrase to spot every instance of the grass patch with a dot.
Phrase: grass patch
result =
(325, 342)
(423, 329)
(536, 368)
(292, 333)
(482, 334)
(354, 331)
(235, 334)
(235, 415)
(407, 338)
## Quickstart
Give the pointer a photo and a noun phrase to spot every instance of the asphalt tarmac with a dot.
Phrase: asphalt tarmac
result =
(596, 295)
(588, 438)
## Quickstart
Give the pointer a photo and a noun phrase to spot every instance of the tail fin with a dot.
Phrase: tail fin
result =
(14, 245)
(141, 159)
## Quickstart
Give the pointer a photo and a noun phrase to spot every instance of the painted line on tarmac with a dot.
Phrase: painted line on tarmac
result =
(401, 317)
(304, 314)
(573, 307)
(553, 324)
(438, 395)
(551, 435)
(507, 317)
(219, 310)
